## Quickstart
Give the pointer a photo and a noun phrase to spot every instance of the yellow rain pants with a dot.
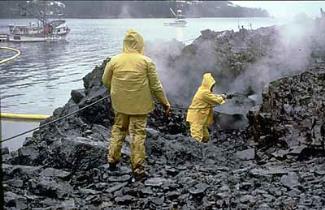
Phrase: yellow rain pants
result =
(199, 132)
(134, 125)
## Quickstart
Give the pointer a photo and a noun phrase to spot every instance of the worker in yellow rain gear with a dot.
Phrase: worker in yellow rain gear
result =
(132, 81)
(200, 112)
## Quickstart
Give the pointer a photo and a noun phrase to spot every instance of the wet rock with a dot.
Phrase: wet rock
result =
(198, 189)
(20, 171)
(248, 154)
(52, 172)
(171, 171)
(320, 173)
(147, 191)
(297, 150)
(101, 186)
(124, 200)
(121, 170)
(155, 182)
(88, 191)
(51, 188)
(4, 150)
(68, 204)
(152, 133)
(173, 195)
(77, 95)
(245, 186)
(291, 180)
(15, 201)
(223, 195)
(264, 207)
(291, 114)
(116, 187)
(294, 192)
(158, 201)
(79, 153)
(267, 172)
(99, 133)
(122, 178)
(247, 199)
(280, 154)
(27, 154)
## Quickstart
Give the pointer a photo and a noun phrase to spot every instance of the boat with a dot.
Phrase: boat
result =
(179, 19)
(45, 29)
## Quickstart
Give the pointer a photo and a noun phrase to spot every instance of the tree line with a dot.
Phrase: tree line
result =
(141, 9)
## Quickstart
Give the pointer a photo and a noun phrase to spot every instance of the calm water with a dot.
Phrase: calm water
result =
(42, 78)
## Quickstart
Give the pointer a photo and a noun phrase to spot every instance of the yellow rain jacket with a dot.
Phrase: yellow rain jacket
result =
(200, 111)
(132, 79)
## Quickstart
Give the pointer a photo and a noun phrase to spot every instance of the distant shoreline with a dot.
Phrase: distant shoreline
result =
(101, 18)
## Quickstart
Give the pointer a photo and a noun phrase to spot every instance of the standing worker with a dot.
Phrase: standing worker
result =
(200, 112)
(132, 81)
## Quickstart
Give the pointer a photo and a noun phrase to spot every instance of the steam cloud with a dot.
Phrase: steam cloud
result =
(181, 68)
(290, 54)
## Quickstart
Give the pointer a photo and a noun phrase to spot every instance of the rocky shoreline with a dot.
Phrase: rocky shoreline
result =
(63, 166)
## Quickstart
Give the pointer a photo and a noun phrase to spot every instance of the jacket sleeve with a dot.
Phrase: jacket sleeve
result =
(155, 84)
(107, 76)
(212, 99)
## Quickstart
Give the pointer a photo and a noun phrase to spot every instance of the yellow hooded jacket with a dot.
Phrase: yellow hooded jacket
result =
(200, 111)
(132, 79)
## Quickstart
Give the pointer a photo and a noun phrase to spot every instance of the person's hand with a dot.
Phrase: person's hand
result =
(223, 96)
(167, 110)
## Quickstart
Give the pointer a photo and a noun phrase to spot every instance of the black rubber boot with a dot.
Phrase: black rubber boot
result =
(112, 166)
(139, 174)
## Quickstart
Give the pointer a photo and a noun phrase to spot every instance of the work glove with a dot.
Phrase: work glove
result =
(167, 110)
(223, 96)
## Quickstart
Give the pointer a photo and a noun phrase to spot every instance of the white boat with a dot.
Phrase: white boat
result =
(179, 21)
(52, 31)
(45, 29)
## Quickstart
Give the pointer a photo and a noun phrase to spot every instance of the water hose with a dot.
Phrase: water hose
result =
(75, 112)
(23, 116)
(12, 57)
(55, 120)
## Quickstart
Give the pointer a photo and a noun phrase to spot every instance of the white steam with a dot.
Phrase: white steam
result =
(125, 12)
(290, 53)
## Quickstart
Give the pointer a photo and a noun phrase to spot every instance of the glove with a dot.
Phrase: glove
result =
(223, 96)
(167, 110)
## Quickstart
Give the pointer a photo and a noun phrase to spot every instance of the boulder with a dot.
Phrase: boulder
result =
(248, 154)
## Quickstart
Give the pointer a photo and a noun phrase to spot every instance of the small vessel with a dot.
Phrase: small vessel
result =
(45, 29)
(180, 19)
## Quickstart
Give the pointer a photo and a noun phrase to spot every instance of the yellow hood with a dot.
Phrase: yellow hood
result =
(133, 42)
(207, 81)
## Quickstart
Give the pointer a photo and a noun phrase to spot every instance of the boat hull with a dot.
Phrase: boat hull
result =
(175, 24)
(20, 38)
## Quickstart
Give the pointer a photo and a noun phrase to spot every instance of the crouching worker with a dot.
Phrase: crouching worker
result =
(200, 112)
(132, 81)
